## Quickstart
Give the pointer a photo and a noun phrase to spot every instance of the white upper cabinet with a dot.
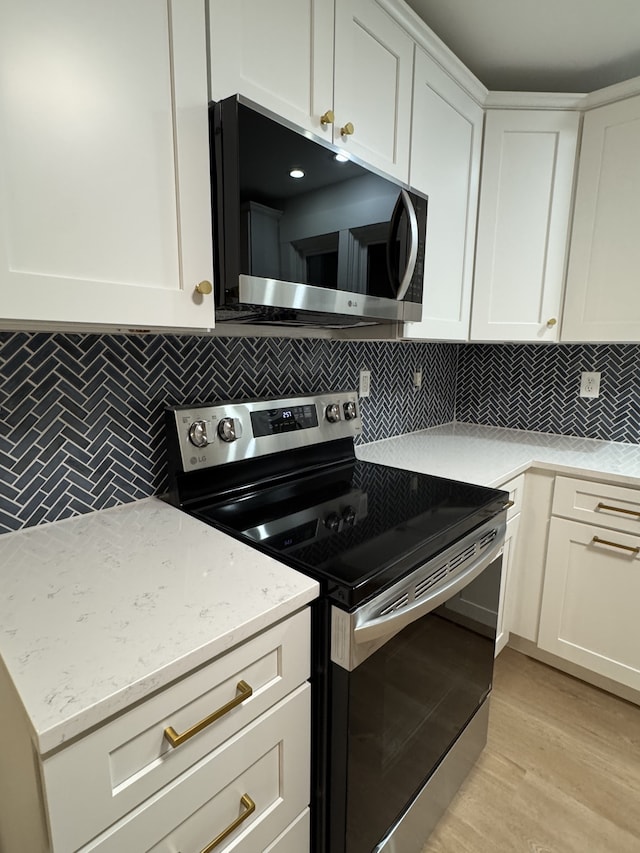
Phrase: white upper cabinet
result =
(281, 55)
(523, 220)
(105, 212)
(445, 165)
(603, 293)
(372, 86)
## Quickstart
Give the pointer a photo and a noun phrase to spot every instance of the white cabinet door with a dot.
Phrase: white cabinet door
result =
(279, 54)
(506, 592)
(525, 202)
(445, 164)
(590, 602)
(373, 69)
(105, 212)
(603, 296)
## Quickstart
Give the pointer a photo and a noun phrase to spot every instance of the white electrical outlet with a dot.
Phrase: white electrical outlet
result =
(365, 383)
(417, 379)
(590, 384)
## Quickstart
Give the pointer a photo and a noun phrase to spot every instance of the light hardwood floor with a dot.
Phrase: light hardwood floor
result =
(560, 772)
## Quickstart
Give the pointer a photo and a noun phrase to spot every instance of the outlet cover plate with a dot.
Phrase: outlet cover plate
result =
(590, 384)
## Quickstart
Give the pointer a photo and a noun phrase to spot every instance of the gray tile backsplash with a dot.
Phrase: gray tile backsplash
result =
(535, 387)
(81, 415)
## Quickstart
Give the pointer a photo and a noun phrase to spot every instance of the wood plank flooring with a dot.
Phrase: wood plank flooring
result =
(560, 772)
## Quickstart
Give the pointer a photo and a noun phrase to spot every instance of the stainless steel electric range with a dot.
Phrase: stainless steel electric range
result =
(404, 631)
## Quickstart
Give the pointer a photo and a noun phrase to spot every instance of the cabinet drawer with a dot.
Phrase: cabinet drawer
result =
(616, 507)
(589, 609)
(97, 780)
(515, 488)
(260, 775)
(295, 838)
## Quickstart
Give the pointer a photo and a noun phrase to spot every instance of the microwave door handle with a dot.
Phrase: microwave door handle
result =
(394, 226)
(413, 246)
(380, 626)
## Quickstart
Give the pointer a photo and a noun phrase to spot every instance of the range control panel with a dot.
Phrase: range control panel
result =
(218, 433)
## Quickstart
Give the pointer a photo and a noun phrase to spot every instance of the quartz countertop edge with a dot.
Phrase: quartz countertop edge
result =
(491, 456)
(101, 610)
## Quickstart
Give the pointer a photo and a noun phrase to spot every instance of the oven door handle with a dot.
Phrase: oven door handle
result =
(393, 622)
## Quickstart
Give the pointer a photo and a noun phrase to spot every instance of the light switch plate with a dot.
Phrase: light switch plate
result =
(365, 383)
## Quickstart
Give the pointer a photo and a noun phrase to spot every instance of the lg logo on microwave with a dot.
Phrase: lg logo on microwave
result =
(352, 304)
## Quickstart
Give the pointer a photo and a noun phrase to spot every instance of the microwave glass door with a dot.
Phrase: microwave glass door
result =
(307, 217)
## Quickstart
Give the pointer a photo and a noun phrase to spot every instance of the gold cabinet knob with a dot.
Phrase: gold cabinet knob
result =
(204, 287)
(551, 323)
(327, 118)
(347, 130)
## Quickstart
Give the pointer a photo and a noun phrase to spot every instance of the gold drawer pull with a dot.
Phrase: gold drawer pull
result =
(250, 806)
(509, 504)
(175, 739)
(619, 509)
(630, 548)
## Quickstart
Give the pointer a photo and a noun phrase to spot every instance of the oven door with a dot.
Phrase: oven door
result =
(409, 680)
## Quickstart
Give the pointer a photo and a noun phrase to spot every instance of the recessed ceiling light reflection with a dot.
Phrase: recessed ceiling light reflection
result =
(296, 173)
(341, 158)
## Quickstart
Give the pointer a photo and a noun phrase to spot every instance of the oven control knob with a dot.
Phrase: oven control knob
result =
(350, 410)
(198, 434)
(332, 521)
(332, 413)
(349, 516)
(227, 430)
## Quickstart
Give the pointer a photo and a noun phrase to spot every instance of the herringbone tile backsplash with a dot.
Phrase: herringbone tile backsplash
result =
(81, 415)
(524, 386)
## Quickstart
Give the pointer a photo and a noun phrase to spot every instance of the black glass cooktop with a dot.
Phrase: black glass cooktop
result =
(357, 526)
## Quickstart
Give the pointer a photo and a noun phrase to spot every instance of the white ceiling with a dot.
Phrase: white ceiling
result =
(540, 45)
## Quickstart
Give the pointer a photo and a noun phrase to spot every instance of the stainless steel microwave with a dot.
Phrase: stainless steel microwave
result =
(305, 236)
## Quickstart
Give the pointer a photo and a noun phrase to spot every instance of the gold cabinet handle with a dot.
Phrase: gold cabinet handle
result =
(250, 807)
(509, 504)
(551, 322)
(244, 691)
(630, 548)
(347, 130)
(327, 118)
(619, 509)
(204, 287)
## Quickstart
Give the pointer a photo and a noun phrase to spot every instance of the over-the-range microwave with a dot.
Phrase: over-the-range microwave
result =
(305, 236)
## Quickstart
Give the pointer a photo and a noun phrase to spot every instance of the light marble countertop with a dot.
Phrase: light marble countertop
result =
(490, 456)
(99, 610)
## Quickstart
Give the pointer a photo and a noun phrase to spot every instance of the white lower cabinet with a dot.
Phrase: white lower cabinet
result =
(589, 612)
(516, 494)
(238, 770)
(478, 599)
(295, 837)
(504, 607)
(241, 795)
